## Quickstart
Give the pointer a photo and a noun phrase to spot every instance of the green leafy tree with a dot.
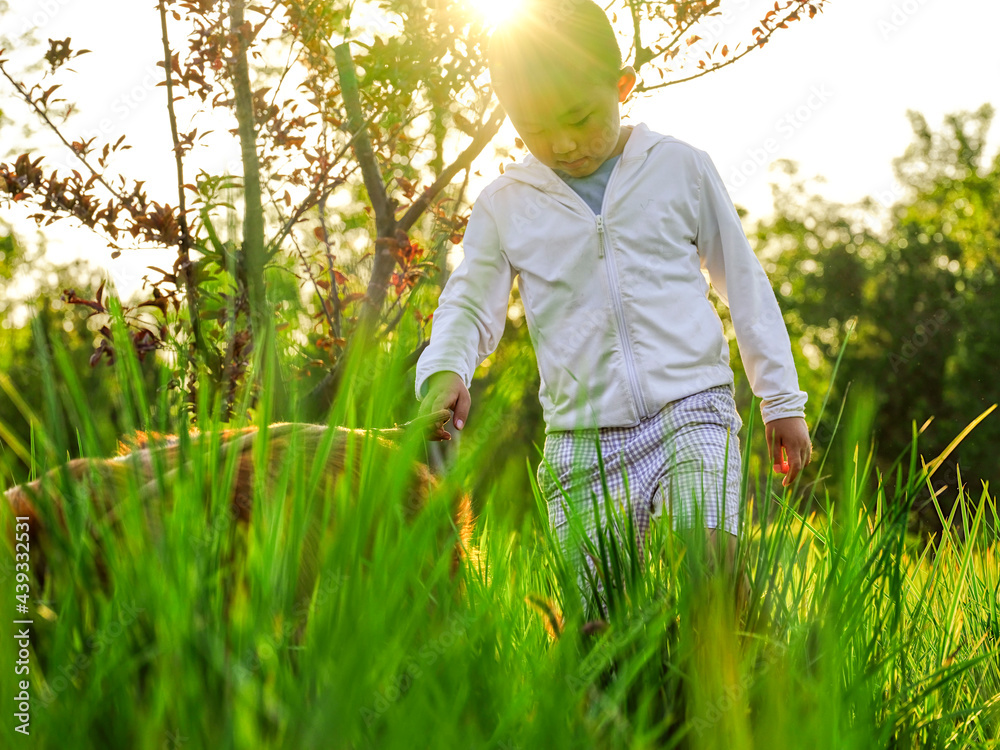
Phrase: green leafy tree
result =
(917, 296)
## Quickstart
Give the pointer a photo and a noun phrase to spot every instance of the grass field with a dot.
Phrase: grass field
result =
(858, 634)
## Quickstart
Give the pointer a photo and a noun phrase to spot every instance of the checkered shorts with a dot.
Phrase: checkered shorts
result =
(677, 463)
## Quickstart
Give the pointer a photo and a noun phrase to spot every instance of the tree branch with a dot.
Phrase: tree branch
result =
(334, 294)
(642, 88)
(314, 194)
(52, 126)
(312, 278)
(362, 145)
(759, 42)
(386, 224)
(183, 266)
(382, 204)
(642, 54)
(464, 161)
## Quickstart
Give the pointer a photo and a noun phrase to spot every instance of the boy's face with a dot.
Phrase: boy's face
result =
(574, 129)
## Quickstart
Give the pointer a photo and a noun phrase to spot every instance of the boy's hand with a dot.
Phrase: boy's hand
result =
(791, 436)
(446, 390)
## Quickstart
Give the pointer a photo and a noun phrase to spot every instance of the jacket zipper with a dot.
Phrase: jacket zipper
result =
(620, 314)
(609, 264)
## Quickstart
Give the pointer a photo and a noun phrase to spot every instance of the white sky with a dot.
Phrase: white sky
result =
(829, 92)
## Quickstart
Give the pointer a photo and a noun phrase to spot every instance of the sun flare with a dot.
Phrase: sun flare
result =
(497, 11)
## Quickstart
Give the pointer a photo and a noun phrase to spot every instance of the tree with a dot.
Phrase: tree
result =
(919, 294)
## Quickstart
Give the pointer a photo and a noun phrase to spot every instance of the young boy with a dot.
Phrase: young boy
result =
(608, 228)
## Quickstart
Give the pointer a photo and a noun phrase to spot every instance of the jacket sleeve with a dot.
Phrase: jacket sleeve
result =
(472, 310)
(738, 277)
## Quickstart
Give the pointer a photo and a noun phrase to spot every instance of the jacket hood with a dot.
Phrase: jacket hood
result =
(533, 172)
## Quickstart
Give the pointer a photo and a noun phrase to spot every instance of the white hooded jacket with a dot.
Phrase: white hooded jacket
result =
(616, 304)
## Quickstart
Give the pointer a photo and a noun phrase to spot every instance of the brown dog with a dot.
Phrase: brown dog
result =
(105, 483)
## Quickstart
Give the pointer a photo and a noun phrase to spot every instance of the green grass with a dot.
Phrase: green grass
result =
(859, 634)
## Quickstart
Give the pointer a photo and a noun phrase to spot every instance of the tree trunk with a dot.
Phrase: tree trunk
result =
(253, 255)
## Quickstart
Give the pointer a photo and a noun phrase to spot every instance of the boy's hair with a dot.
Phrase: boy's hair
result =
(557, 43)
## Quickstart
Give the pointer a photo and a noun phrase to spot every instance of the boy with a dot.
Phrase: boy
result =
(608, 228)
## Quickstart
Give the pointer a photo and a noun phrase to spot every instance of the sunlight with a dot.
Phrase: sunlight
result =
(497, 11)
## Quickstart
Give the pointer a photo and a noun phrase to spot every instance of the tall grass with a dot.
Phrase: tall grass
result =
(197, 636)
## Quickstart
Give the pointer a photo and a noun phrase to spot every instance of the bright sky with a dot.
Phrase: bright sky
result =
(830, 93)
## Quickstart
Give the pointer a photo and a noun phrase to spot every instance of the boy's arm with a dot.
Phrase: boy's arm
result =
(760, 330)
(472, 309)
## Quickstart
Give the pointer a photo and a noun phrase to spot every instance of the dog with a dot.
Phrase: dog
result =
(145, 458)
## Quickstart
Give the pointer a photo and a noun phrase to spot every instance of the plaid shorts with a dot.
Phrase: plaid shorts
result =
(677, 463)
